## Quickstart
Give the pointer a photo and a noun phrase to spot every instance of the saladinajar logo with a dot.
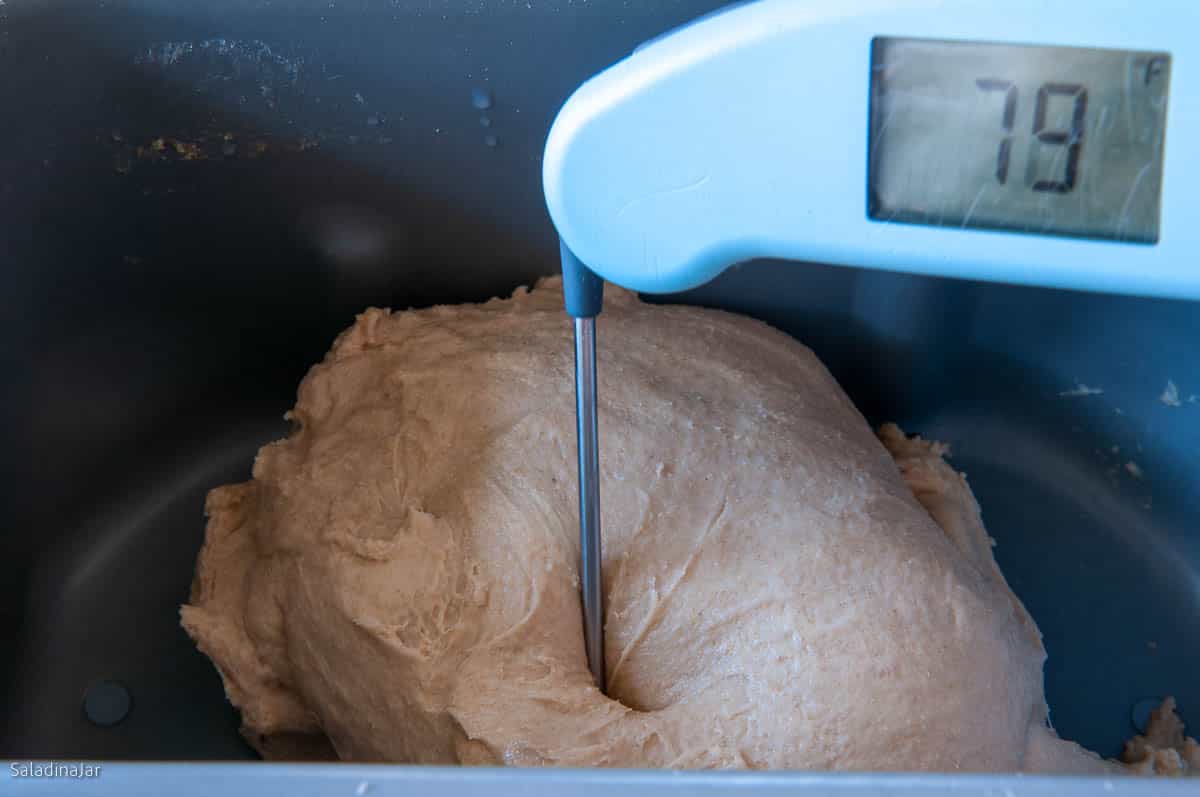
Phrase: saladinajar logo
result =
(53, 769)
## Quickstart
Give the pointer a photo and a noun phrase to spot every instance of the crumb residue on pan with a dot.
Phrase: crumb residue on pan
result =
(1081, 389)
(1170, 395)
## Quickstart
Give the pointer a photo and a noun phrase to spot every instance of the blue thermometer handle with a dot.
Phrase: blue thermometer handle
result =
(745, 135)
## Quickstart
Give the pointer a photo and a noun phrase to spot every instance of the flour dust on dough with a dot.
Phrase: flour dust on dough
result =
(398, 582)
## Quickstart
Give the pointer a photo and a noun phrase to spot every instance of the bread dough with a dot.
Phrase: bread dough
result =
(1163, 749)
(399, 580)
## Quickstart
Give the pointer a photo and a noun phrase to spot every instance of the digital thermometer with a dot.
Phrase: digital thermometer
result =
(1018, 141)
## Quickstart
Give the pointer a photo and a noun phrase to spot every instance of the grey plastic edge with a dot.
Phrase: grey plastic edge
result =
(583, 291)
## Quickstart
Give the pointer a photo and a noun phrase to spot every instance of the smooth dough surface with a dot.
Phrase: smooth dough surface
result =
(785, 589)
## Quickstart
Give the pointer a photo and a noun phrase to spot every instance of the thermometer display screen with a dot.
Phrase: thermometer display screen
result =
(1040, 140)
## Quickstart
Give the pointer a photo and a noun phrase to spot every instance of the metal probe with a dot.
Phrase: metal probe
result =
(583, 293)
(589, 496)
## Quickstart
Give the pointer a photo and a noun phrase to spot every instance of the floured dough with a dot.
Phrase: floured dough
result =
(399, 580)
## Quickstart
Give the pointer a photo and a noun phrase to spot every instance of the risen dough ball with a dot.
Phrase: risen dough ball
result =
(399, 581)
